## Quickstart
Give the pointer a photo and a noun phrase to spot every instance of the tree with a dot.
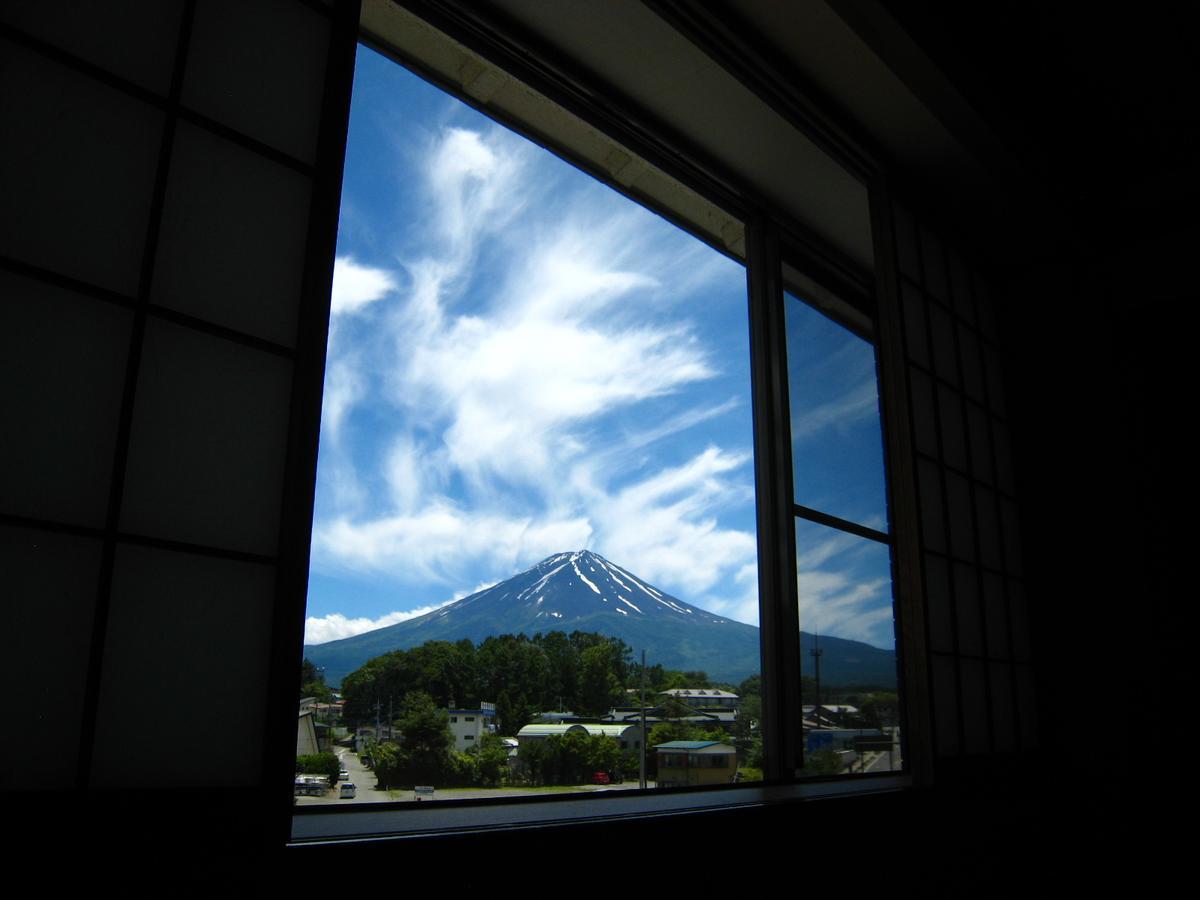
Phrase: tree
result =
(603, 755)
(691, 679)
(514, 672)
(665, 732)
(823, 762)
(390, 765)
(562, 659)
(492, 760)
(425, 738)
(312, 682)
(880, 709)
(600, 688)
(536, 758)
(319, 764)
(423, 754)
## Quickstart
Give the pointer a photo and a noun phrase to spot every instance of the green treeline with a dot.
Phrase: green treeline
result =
(583, 672)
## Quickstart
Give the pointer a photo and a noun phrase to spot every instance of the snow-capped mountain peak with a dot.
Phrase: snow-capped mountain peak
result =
(580, 590)
(568, 585)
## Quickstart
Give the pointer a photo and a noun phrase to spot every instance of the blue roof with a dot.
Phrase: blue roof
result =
(686, 745)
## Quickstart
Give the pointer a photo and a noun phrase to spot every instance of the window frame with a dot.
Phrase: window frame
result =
(770, 238)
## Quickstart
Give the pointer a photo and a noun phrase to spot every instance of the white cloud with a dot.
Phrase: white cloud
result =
(334, 627)
(475, 184)
(665, 527)
(738, 599)
(344, 388)
(356, 286)
(855, 404)
(441, 543)
(504, 403)
(842, 593)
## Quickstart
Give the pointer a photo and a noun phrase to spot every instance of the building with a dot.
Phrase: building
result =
(470, 725)
(695, 763)
(627, 736)
(306, 735)
(828, 714)
(709, 706)
(703, 698)
(165, 302)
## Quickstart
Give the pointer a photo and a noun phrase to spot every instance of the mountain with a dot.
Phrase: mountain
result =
(582, 591)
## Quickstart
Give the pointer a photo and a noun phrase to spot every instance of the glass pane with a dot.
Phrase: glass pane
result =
(848, 686)
(535, 463)
(837, 442)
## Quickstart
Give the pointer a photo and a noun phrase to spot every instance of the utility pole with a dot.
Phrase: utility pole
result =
(816, 652)
(642, 757)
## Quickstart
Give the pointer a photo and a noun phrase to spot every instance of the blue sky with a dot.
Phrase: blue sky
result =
(522, 362)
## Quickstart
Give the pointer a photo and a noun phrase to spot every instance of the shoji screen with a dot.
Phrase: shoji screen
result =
(165, 250)
(975, 612)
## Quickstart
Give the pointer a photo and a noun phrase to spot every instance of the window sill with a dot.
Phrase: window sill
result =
(388, 822)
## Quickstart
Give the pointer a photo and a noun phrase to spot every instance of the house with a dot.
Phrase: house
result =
(170, 174)
(306, 735)
(695, 763)
(703, 698)
(470, 725)
(828, 713)
(365, 735)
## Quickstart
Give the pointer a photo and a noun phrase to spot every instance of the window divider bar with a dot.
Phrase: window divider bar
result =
(813, 515)
(778, 603)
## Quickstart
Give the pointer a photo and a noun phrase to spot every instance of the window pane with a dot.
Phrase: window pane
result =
(535, 463)
(837, 442)
(849, 688)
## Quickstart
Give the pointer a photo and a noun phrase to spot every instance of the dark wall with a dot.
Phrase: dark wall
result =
(1096, 369)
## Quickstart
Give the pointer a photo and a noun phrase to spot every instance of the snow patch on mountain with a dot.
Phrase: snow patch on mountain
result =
(585, 578)
(613, 576)
(675, 606)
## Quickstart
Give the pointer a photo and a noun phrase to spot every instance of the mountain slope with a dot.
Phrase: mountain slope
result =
(582, 591)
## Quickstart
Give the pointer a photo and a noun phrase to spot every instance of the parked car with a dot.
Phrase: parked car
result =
(343, 775)
(311, 785)
(601, 778)
(347, 791)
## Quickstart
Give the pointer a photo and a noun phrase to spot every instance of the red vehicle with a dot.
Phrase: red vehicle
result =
(601, 778)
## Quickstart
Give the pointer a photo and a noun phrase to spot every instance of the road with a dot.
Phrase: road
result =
(364, 779)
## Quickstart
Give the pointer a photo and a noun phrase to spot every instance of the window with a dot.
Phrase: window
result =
(536, 455)
(424, 308)
(843, 563)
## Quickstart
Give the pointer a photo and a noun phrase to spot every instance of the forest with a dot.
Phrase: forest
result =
(581, 672)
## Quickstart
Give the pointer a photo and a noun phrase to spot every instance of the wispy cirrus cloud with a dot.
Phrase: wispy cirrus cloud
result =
(859, 402)
(844, 586)
(442, 542)
(519, 389)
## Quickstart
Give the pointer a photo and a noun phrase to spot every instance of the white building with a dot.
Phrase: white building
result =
(704, 698)
(626, 734)
(306, 735)
(470, 725)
